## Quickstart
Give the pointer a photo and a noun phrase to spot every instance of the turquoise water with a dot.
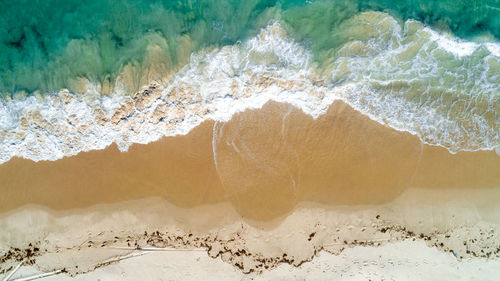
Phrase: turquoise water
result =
(46, 45)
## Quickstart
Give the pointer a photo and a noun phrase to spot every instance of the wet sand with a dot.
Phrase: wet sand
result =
(266, 161)
(271, 186)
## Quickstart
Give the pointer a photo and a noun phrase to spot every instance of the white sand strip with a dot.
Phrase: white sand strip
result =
(406, 260)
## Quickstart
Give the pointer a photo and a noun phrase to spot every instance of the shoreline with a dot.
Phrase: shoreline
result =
(296, 158)
(274, 194)
(249, 140)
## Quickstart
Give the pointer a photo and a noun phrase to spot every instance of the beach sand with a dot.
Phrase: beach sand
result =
(268, 187)
(398, 261)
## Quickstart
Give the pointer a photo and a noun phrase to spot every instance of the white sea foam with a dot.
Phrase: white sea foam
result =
(494, 48)
(407, 94)
(453, 44)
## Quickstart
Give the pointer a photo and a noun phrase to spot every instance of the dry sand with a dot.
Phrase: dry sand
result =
(282, 188)
(399, 261)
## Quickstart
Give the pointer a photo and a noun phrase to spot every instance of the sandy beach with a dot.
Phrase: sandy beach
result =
(397, 261)
(250, 140)
(272, 187)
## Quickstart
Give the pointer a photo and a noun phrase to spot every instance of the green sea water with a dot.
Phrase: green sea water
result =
(46, 44)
